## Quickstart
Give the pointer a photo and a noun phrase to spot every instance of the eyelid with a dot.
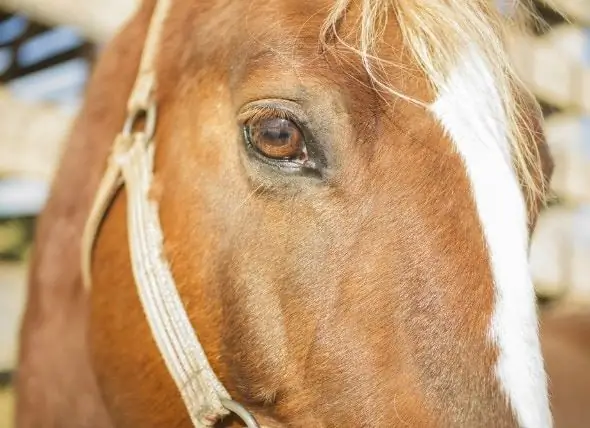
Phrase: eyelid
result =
(269, 107)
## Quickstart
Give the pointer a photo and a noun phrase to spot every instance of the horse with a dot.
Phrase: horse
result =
(346, 191)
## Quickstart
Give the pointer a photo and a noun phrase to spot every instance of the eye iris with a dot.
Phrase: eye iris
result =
(277, 138)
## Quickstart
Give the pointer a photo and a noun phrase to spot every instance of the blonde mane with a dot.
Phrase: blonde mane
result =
(437, 33)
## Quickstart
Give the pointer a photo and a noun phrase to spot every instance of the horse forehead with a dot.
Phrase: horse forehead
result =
(284, 22)
(227, 37)
(256, 15)
(267, 45)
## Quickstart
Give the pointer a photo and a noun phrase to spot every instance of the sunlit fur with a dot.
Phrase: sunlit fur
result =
(440, 34)
(436, 33)
(470, 110)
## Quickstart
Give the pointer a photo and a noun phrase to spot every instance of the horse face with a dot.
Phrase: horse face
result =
(347, 257)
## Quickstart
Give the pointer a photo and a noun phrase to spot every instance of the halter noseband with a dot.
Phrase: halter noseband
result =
(131, 164)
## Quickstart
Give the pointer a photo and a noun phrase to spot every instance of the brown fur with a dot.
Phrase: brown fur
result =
(565, 333)
(55, 384)
(357, 300)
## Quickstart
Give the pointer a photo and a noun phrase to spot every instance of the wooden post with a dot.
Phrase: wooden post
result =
(13, 278)
(31, 137)
(97, 20)
(554, 75)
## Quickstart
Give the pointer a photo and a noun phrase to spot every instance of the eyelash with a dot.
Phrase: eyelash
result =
(257, 113)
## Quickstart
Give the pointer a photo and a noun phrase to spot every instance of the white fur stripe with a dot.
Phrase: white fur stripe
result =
(470, 109)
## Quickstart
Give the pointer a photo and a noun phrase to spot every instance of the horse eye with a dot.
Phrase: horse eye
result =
(277, 138)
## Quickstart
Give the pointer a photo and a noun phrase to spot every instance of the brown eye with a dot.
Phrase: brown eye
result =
(277, 138)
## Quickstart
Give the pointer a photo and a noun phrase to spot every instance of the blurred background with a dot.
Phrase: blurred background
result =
(47, 50)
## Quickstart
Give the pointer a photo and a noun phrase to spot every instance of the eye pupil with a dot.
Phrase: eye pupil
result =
(278, 133)
(277, 138)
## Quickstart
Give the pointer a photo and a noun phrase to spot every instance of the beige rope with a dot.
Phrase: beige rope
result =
(171, 328)
(107, 189)
(131, 164)
(145, 83)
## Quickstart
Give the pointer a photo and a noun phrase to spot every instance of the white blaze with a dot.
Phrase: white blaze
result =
(470, 109)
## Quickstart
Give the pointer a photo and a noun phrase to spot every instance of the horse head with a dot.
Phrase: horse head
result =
(346, 191)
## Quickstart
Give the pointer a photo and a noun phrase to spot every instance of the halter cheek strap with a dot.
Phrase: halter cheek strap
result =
(131, 164)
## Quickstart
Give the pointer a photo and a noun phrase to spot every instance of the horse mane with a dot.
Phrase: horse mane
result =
(438, 34)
